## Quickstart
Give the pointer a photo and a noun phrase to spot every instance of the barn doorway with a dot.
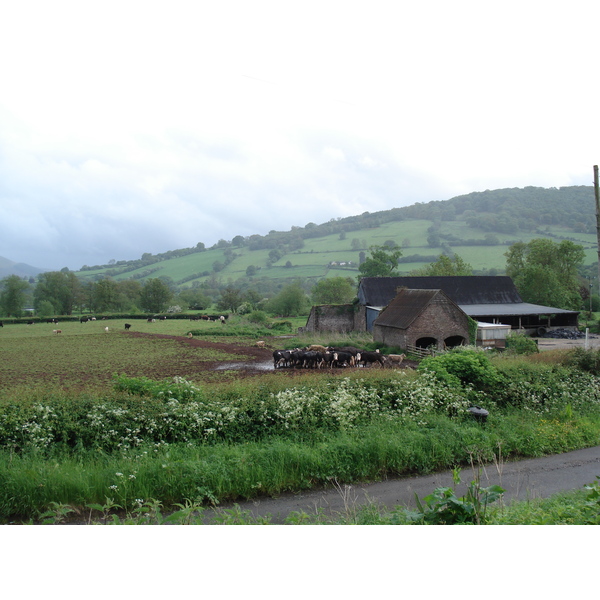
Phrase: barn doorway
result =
(425, 342)
(454, 340)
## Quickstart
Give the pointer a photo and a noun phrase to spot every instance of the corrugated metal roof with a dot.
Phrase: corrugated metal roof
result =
(522, 308)
(476, 289)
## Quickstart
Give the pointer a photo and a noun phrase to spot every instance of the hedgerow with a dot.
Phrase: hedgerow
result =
(142, 411)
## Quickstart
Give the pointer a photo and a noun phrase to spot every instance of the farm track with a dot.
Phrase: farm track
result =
(521, 480)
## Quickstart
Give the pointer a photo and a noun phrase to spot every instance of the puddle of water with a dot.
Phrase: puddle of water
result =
(264, 366)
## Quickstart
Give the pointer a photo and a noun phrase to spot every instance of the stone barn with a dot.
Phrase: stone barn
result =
(340, 318)
(421, 318)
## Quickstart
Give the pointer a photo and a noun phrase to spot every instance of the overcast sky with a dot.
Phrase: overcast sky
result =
(132, 127)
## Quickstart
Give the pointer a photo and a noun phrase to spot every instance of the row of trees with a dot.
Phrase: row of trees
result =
(59, 293)
(62, 293)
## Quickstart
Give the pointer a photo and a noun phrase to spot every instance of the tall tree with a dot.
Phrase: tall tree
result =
(62, 289)
(291, 301)
(230, 299)
(382, 262)
(194, 298)
(155, 296)
(128, 294)
(545, 272)
(104, 295)
(13, 296)
(334, 290)
(445, 265)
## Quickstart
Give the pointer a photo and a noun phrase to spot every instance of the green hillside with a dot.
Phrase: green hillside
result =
(479, 227)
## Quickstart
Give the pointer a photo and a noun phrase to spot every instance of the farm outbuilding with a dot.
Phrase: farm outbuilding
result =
(491, 299)
(421, 318)
(492, 335)
(339, 318)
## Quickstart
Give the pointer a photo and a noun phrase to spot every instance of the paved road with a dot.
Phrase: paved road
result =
(533, 478)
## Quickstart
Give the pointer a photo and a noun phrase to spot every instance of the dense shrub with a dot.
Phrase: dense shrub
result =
(545, 388)
(179, 411)
(464, 367)
(518, 343)
(258, 316)
(586, 360)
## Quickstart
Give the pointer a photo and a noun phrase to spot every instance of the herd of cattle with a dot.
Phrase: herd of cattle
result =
(318, 357)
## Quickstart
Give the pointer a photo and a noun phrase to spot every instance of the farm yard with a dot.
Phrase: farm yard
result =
(133, 419)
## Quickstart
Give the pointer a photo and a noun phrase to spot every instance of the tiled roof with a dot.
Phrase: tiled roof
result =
(407, 306)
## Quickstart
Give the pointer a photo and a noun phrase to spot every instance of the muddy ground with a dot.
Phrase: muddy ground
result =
(258, 361)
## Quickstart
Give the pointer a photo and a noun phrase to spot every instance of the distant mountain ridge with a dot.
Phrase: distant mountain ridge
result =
(9, 267)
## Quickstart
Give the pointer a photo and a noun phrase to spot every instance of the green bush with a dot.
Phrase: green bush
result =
(518, 343)
(258, 316)
(462, 368)
(586, 360)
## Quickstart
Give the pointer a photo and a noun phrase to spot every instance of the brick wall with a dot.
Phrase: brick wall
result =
(439, 321)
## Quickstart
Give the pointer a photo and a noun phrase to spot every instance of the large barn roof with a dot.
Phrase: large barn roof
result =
(474, 289)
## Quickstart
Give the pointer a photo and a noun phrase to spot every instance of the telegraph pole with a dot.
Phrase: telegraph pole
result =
(597, 194)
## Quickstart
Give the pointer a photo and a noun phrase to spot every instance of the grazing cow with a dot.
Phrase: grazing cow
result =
(222, 319)
(281, 358)
(83, 320)
(29, 322)
(316, 348)
(1, 324)
(369, 358)
(311, 359)
(57, 331)
(327, 359)
(394, 359)
(349, 349)
(151, 320)
(297, 358)
(106, 330)
(54, 321)
(343, 359)
(127, 326)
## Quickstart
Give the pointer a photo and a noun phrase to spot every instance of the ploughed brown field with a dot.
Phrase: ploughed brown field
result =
(85, 356)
